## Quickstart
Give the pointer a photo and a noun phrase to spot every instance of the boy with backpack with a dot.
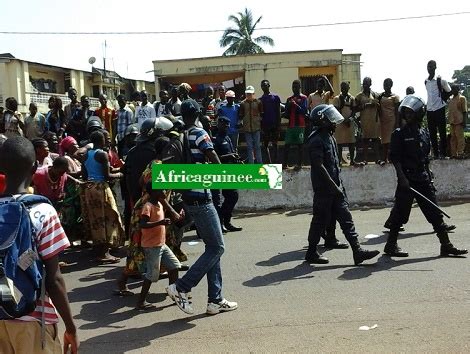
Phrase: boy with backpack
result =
(31, 238)
(152, 223)
(438, 94)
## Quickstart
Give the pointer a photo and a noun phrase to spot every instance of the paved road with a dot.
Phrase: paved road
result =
(420, 304)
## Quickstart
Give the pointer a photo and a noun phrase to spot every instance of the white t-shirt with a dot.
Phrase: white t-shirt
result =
(434, 99)
(144, 112)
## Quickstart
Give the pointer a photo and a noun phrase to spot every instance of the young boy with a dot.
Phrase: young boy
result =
(23, 335)
(457, 116)
(152, 223)
(296, 111)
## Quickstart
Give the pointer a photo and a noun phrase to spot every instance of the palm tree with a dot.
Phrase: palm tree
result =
(239, 39)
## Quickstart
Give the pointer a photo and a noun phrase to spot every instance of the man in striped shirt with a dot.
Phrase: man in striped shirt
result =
(23, 335)
(202, 210)
(124, 119)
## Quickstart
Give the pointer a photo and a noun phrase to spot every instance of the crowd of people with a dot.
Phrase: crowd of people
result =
(81, 157)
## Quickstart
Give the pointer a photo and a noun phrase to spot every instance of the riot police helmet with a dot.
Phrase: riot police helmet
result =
(414, 103)
(153, 127)
(132, 129)
(325, 112)
(94, 123)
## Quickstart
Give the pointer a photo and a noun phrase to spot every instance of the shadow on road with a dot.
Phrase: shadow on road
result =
(383, 237)
(301, 271)
(101, 308)
(383, 263)
(283, 258)
(125, 340)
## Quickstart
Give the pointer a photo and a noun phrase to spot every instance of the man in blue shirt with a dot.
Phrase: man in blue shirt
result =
(270, 120)
(230, 110)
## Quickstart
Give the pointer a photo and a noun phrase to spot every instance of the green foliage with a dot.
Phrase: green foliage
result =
(462, 77)
(239, 38)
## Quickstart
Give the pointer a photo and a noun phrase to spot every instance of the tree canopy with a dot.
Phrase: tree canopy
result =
(462, 77)
(239, 38)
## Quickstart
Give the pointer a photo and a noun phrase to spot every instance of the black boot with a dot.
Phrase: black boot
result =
(314, 257)
(391, 247)
(360, 254)
(447, 248)
(229, 227)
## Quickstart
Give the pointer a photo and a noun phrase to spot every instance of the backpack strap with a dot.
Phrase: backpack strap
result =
(32, 199)
(29, 200)
(439, 86)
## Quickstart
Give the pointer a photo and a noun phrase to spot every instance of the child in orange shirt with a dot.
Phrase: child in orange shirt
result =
(152, 223)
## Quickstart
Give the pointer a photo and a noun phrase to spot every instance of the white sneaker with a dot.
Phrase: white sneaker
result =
(181, 299)
(223, 306)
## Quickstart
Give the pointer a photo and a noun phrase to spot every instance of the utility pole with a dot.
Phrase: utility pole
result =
(104, 59)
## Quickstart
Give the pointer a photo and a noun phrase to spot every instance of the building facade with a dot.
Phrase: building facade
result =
(35, 82)
(237, 72)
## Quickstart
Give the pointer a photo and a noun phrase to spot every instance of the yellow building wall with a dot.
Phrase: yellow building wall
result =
(351, 71)
(280, 80)
(4, 84)
(279, 68)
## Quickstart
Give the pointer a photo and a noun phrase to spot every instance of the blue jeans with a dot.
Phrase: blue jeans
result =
(208, 225)
(253, 144)
(154, 256)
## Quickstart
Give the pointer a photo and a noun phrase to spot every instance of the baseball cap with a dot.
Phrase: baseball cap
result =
(229, 93)
(249, 89)
(189, 106)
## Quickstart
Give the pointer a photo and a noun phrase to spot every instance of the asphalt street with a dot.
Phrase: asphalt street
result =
(418, 304)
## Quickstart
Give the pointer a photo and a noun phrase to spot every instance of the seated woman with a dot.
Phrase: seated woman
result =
(99, 207)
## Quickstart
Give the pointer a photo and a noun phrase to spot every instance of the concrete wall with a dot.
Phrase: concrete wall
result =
(371, 185)
(351, 71)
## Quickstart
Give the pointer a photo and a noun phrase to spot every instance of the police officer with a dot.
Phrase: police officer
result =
(227, 154)
(409, 153)
(329, 195)
(143, 153)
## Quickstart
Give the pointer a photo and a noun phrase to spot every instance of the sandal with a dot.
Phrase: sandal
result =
(108, 260)
(145, 306)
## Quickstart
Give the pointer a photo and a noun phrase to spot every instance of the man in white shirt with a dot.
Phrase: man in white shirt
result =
(436, 116)
(145, 110)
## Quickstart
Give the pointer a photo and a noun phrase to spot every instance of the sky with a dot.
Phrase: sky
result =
(399, 49)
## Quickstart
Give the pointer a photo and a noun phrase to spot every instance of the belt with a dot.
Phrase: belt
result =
(196, 202)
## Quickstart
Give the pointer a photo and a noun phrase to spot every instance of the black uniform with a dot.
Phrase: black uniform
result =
(136, 162)
(326, 205)
(410, 146)
(223, 146)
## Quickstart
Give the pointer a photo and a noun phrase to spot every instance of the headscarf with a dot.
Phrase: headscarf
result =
(65, 144)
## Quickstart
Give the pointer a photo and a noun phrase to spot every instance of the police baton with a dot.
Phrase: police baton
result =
(429, 201)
